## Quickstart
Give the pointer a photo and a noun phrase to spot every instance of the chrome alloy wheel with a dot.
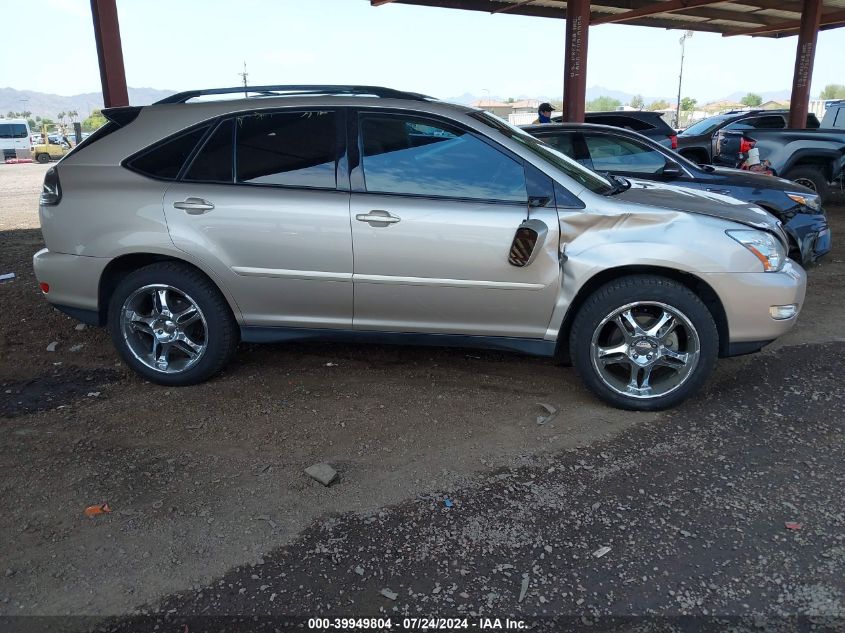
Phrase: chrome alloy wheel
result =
(805, 182)
(645, 349)
(164, 328)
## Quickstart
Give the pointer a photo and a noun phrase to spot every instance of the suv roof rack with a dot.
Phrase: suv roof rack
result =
(297, 90)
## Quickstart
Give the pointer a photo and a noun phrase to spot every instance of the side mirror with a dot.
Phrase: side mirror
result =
(672, 169)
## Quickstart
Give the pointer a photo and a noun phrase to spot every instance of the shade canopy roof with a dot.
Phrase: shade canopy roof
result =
(766, 18)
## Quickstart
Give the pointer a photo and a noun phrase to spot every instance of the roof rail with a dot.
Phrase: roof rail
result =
(297, 90)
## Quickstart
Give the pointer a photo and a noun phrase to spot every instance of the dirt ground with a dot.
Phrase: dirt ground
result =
(203, 479)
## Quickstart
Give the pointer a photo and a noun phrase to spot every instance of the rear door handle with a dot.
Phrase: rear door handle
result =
(194, 206)
(377, 218)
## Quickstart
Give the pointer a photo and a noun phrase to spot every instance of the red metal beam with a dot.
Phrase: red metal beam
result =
(791, 25)
(511, 7)
(652, 9)
(805, 55)
(109, 52)
(575, 62)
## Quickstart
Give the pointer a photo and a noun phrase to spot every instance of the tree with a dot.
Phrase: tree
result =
(602, 104)
(94, 121)
(752, 100)
(660, 104)
(688, 104)
(73, 114)
(637, 102)
(833, 91)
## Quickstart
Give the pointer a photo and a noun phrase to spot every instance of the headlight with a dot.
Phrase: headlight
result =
(765, 247)
(809, 200)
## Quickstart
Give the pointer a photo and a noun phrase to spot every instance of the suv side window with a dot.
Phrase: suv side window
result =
(294, 149)
(771, 122)
(410, 155)
(622, 155)
(164, 160)
(214, 162)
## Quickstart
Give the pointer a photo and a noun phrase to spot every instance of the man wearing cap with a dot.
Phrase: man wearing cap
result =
(544, 113)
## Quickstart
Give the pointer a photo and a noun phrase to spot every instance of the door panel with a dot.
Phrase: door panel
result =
(443, 268)
(434, 230)
(286, 254)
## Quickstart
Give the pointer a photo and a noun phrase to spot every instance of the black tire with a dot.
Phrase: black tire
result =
(219, 328)
(43, 158)
(651, 292)
(812, 178)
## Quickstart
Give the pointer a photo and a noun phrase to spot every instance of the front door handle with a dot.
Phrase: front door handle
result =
(724, 192)
(377, 218)
(194, 206)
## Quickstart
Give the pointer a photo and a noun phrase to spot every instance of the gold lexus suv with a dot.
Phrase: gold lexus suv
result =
(369, 214)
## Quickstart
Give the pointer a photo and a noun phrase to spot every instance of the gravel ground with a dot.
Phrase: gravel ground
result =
(206, 482)
(694, 511)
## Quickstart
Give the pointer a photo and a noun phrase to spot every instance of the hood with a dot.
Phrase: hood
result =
(742, 178)
(657, 194)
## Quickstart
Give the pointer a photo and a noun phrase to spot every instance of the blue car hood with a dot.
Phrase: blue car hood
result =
(742, 178)
(658, 194)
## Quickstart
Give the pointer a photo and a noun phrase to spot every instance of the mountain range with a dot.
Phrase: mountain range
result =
(593, 92)
(49, 105)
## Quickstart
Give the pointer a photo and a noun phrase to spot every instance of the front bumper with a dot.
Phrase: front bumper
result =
(811, 233)
(749, 297)
(74, 280)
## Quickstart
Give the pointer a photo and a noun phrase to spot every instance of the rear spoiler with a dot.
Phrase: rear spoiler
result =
(116, 117)
(123, 115)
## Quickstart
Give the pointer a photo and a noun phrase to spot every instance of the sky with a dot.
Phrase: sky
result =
(185, 44)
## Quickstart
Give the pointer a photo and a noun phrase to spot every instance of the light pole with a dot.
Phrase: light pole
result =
(244, 75)
(683, 40)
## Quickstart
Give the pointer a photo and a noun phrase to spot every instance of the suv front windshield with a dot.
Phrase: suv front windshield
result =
(705, 126)
(582, 175)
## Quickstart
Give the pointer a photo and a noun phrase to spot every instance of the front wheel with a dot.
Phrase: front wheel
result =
(171, 324)
(644, 343)
(811, 177)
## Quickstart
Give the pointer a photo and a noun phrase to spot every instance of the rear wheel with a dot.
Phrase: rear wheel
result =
(171, 324)
(43, 158)
(644, 343)
(811, 177)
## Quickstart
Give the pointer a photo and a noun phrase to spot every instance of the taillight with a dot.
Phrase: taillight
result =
(746, 144)
(45, 287)
(674, 140)
(51, 190)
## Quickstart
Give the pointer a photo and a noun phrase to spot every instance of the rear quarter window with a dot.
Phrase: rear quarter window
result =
(628, 123)
(165, 159)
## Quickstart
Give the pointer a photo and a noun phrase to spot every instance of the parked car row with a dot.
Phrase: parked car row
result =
(813, 157)
(625, 153)
(185, 227)
(646, 122)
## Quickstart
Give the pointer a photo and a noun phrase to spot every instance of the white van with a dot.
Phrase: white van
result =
(15, 138)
